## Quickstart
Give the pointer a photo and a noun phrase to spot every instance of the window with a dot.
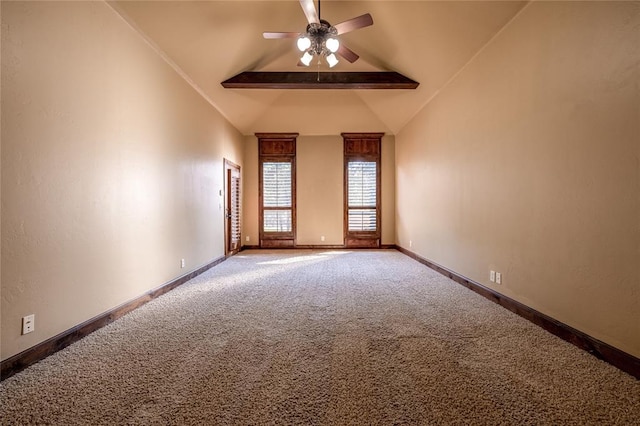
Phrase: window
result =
(362, 196)
(277, 189)
(362, 189)
(276, 196)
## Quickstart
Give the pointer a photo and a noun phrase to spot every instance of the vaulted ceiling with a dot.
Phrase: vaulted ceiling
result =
(211, 41)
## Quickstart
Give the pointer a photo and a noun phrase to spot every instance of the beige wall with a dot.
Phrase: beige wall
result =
(111, 167)
(527, 163)
(388, 189)
(319, 180)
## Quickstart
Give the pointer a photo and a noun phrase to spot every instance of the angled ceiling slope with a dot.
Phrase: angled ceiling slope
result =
(212, 41)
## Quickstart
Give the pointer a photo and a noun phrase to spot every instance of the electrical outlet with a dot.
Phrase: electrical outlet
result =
(28, 323)
(182, 263)
(492, 276)
(322, 238)
(498, 278)
(410, 243)
(247, 238)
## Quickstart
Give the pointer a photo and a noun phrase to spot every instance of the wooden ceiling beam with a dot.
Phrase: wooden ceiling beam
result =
(323, 80)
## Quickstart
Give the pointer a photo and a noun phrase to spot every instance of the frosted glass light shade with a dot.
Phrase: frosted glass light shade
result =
(304, 43)
(332, 60)
(332, 44)
(306, 58)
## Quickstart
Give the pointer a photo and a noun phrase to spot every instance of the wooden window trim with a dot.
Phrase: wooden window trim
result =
(277, 148)
(371, 152)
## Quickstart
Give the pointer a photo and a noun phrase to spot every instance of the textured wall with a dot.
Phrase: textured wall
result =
(320, 170)
(527, 163)
(111, 167)
(320, 190)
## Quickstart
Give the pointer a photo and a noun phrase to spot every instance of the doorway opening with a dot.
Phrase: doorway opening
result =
(232, 225)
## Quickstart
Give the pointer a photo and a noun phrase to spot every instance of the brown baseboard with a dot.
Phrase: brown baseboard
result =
(614, 356)
(319, 247)
(30, 356)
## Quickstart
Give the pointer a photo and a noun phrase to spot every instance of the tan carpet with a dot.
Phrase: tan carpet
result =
(313, 337)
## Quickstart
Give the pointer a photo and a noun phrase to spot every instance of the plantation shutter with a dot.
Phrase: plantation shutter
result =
(362, 195)
(235, 210)
(277, 196)
(232, 224)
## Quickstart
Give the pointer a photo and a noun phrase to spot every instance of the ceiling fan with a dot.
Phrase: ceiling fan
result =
(320, 38)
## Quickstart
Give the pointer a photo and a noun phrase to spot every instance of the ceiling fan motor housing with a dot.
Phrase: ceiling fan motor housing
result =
(318, 34)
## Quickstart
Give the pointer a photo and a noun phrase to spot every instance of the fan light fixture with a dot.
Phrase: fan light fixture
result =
(304, 43)
(306, 59)
(332, 44)
(319, 40)
(332, 60)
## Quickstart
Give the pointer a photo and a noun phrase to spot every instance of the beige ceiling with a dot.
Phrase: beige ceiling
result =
(211, 41)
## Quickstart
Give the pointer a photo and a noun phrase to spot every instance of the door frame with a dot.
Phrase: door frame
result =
(230, 166)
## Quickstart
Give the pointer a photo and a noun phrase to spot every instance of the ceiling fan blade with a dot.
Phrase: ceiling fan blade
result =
(270, 35)
(354, 23)
(309, 9)
(347, 53)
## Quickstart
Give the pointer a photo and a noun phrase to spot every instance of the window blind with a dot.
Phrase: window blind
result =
(361, 189)
(277, 196)
(277, 220)
(276, 182)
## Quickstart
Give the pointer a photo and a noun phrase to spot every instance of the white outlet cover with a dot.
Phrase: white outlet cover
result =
(492, 276)
(28, 324)
(498, 278)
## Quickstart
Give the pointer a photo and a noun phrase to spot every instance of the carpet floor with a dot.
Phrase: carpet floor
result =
(320, 338)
